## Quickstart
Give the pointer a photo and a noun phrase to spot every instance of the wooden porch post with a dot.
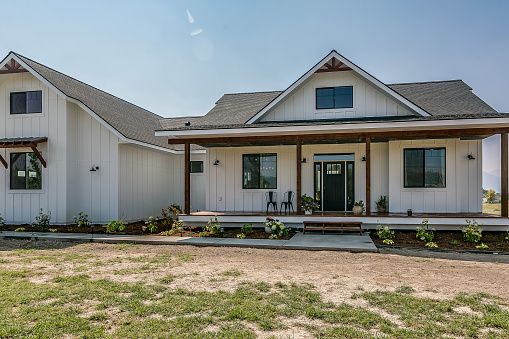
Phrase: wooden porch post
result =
(187, 189)
(368, 176)
(299, 174)
(504, 175)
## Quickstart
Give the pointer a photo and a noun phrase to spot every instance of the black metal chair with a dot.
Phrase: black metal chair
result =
(271, 198)
(287, 202)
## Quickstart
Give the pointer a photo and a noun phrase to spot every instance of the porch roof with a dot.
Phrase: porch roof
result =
(30, 142)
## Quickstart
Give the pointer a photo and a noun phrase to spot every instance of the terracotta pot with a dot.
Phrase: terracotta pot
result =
(357, 210)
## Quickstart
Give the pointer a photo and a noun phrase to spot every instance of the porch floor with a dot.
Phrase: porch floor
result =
(346, 214)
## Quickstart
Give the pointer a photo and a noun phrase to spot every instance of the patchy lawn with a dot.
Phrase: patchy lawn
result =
(55, 290)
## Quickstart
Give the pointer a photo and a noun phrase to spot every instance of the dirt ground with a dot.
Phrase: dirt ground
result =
(336, 275)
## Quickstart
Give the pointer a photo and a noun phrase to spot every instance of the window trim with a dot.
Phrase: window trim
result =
(319, 88)
(243, 171)
(24, 190)
(424, 167)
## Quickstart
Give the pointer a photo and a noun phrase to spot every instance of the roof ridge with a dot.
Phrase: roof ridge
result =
(84, 83)
(424, 82)
(239, 93)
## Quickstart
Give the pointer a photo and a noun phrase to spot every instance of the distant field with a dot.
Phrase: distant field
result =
(491, 208)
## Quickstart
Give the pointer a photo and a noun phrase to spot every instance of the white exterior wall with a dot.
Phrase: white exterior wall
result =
(21, 206)
(463, 179)
(368, 101)
(225, 192)
(90, 143)
(152, 180)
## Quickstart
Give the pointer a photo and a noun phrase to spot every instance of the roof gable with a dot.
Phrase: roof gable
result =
(335, 62)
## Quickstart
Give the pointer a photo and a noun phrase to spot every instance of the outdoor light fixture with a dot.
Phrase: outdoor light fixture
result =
(470, 157)
(94, 168)
(216, 162)
(364, 158)
(304, 160)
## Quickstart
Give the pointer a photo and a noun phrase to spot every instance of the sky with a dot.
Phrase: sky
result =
(177, 58)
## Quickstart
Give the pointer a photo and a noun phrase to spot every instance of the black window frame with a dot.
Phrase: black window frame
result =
(423, 149)
(333, 98)
(259, 155)
(12, 105)
(195, 162)
(27, 172)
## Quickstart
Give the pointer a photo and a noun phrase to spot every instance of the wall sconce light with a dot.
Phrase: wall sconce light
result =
(363, 158)
(94, 168)
(304, 160)
(216, 162)
(470, 157)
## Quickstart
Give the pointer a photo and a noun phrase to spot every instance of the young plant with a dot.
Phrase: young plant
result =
(482, 246)
(213, 226)
(2, 221)
(19, 229)
(431, 244)
(241, 236)
(277, 227)
(385, 233)
(382, 202)
(42, 220)
(53, 230)
(507, 236)
(175, 209)
(273, 236)
(424, 233)
(472, 232)
(152, 224)
(388, 242)
(247, 228)
(81, 220)
(115, 226)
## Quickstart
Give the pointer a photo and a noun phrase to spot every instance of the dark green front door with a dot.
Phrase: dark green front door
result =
(334, 186)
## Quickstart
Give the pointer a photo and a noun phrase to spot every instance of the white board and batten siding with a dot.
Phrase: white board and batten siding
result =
(463, 187)
(21, 206)
(368, 101)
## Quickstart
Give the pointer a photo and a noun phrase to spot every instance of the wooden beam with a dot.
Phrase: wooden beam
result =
(333, 70)
(187, 189)
(504, 174)
(368, 176)
(328, 66)
(339, 136)
(9, 71)
(39, 156)
(299, 175)
(2, 160)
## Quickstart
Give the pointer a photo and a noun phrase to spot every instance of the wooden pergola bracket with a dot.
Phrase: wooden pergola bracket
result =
(39, 156)
(2, 160)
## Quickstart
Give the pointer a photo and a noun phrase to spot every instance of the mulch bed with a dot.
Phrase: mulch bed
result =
(449, 240)
(135, 228)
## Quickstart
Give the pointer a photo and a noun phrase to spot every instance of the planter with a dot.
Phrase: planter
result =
(268, 230)
(308, 212)
(381, 209)
(357, 210)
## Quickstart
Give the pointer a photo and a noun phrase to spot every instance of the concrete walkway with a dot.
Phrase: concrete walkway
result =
(318, 242)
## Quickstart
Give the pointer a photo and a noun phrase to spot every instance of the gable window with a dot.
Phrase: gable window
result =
(25, 171)
(259, 170)
(334, 97)
(196, 166)
(26, 102)
(424, 167)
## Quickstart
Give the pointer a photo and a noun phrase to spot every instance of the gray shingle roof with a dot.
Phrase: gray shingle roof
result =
(129, 120)
(452, 99)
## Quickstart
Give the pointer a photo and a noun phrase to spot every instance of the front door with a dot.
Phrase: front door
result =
(334, 186)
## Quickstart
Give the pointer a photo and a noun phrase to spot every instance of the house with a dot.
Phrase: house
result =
(340, 135)
(66, 147)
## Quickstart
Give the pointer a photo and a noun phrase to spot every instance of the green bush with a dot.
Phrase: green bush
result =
(384, 232)
(152, 224)
(42, 221)
(247, 228)
(213, 226)
(115, 226)
(82, 219)
(241, 236)
(472, 232)
(424, 233)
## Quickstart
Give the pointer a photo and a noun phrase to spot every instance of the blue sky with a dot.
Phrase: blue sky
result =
(144, 52)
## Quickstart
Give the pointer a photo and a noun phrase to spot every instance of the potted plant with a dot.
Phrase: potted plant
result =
(358, 207)
(308, 204)
(381, 204)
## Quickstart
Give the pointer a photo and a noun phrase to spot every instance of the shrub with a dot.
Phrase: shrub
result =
(424, 233)
(384, 232)
(115, 226)
(213, 226)
(82, 219)
(277, 227)
(247, 228)
(472, 232)
(241, 236)
(152, 224)
(42, 220)
(2, 221)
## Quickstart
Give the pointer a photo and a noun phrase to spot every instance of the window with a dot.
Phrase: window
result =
(25, 172)
(196, 166)
(259, 171)
(424, 167)
(334, 97)
(26, 102)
